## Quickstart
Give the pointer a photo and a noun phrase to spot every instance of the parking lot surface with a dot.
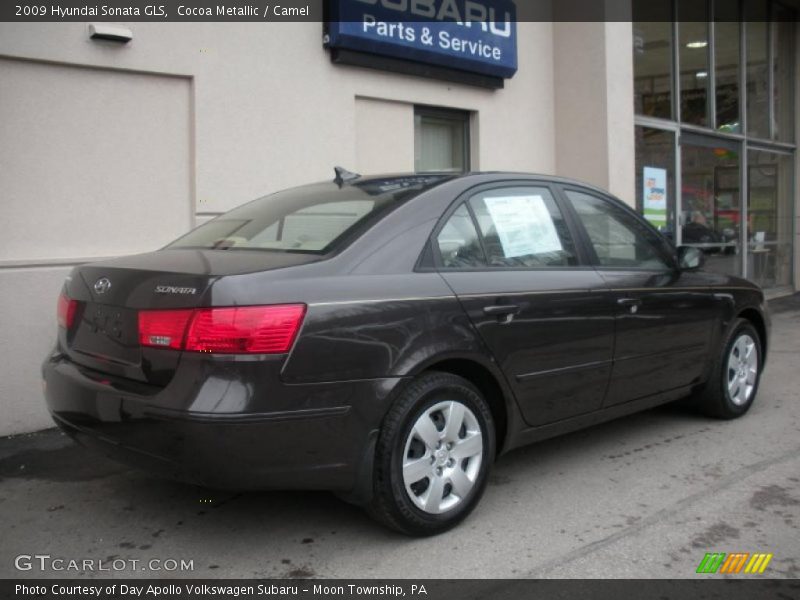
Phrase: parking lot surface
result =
(644, 496)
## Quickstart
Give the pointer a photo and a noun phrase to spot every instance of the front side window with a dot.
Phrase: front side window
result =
(619, 239)
(523, 227)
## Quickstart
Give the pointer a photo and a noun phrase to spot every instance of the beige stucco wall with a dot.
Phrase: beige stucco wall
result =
(86, 152)
(593, 85)
(264, 109)
(266, 118)
(384, 136)
(29, 294)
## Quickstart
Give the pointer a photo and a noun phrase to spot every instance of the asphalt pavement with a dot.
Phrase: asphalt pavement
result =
(645, 496)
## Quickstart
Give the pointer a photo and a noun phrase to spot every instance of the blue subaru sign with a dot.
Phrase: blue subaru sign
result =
(477, 36)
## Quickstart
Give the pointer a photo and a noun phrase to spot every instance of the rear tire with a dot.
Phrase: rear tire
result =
(433, 455)
(735, 375)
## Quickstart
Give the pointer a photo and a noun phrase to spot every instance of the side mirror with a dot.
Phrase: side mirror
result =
(690, 258)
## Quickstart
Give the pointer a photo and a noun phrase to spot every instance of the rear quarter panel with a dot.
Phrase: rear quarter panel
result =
(386, 327)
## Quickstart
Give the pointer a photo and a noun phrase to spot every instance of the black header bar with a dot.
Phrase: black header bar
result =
(313, 10)
(703, 586)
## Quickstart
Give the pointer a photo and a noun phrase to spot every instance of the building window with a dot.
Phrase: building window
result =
(769, 218)
(711, 211)
(783, 41)
(714, 95)
(693, 49)
(655, 178)
(652, 58)
(757, 79)
(441, 140)
(726, 71)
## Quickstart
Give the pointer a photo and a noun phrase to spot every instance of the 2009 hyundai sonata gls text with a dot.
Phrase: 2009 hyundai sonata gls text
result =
(387, 337)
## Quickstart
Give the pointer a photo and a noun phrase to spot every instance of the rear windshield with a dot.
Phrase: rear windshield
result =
(310, 219)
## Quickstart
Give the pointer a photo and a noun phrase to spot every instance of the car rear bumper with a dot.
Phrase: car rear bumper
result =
(321, 444)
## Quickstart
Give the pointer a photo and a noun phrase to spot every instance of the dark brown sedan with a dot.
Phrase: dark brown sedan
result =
(387, 337)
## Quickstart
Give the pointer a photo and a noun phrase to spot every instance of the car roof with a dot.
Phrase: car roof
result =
(478, 176)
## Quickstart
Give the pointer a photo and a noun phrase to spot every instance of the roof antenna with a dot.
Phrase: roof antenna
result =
(344, 176)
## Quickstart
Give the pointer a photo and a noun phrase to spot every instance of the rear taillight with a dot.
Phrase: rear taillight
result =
(163, 328)
(65, 311)
(229, 330)
(245, 329)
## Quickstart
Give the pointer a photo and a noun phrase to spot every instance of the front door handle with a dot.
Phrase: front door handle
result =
(504, 312)
(632, 304)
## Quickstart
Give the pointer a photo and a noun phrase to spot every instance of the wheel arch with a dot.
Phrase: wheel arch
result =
(489, 381)
(759, 322)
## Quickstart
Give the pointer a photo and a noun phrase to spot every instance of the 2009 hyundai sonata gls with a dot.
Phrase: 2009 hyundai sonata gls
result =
(386, 337)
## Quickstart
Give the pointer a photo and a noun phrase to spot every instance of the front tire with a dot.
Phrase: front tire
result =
(735, 376)
(433, 455)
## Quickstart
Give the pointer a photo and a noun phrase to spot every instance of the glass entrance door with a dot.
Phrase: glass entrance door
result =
(769, 216)
(711, 200)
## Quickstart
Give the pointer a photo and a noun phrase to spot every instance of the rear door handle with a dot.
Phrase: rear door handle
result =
(632, 304)
(504, 312)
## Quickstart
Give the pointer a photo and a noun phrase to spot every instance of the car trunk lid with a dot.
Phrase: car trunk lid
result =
(105, 333)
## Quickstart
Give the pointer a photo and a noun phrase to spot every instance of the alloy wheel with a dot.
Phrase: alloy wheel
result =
(742, 370)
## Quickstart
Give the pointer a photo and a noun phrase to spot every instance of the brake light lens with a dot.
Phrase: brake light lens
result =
(163, 328)
(245, 329)
(229, 330)
(65, 311)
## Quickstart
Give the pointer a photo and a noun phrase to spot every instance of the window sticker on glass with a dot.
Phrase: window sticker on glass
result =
(524, 225)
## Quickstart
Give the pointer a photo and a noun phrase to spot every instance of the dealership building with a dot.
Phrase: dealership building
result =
(116, 140)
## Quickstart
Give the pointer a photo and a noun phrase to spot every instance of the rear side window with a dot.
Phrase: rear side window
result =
(619, 239)
(458, 242)
(523, 227)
